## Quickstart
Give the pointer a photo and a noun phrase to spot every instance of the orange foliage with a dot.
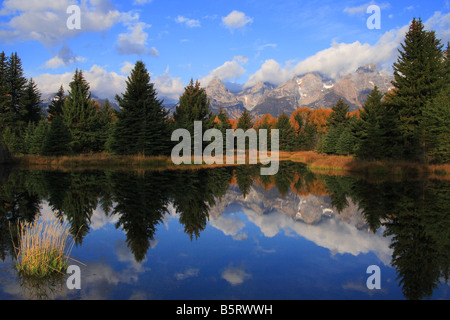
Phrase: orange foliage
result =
(233, 123)
(319, 117)
(267, 118)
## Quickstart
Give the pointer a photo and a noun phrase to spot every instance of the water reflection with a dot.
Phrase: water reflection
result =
(412, 215)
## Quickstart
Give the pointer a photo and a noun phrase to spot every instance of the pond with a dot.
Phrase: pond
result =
(229, 233)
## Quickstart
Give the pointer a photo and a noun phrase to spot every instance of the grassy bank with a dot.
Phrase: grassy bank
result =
(349, 165)
(323, 163)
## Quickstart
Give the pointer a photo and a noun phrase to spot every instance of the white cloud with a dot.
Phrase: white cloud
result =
(362, 9)
(191, 23)
(236, 20)
(230, 70)
(441, 24)
(65, 57)
(189, 273)
(142, 1)
(135, 41)
(46, 21)
(168, 87)
(102, 83)
(337, 60)
(127, 67)
(106, 84)
(271, 71)
(235, 275)
(153, 52)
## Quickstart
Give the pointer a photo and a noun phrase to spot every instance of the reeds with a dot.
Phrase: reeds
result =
(43, 248)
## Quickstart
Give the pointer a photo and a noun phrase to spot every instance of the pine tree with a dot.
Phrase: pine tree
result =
(369, 130)
(345, 144)
(245, 121)
(31, 103)
(58, 138)
(447, 65)
(337, 122)
(339, 116)
(56, 106)
(331, 139)
(4, 92)
(142, 124)
(16, 83)
(437, 122)
(35, 135)
(80, 115)
(287, 133)
(193, 106)
(224, 121)
(418, 78)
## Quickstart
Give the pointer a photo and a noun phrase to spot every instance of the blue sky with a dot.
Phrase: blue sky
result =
(243, 41)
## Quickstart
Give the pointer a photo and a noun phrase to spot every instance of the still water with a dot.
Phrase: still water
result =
(229, 233)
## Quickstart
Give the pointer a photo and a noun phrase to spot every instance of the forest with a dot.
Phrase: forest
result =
(410, 122)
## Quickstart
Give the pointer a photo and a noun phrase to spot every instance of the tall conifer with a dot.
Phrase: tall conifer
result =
(142, 124)
(79, 114)
(418, 78)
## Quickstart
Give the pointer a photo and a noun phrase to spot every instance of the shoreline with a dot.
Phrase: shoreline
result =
(316, 162)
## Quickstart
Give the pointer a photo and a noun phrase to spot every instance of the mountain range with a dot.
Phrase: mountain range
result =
(312, 90)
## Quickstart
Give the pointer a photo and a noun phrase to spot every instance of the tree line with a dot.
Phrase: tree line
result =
(411, 121)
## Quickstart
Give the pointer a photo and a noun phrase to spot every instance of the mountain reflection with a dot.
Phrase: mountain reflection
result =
(412, 214)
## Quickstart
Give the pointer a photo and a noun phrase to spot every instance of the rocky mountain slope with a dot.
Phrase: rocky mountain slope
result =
(311, 90)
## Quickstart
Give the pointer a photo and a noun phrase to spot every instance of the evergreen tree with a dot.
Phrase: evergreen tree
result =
(287, 133)
(369, 130)
(245, 121)
(4, 92)
(337, 122)
(56, 106)
(223, 125)
(437, 123)
(345, 144)
(31, 103)
(58, 138)
(339, 116)
(331, 139)
(193, 106)
(80, 115)
(142, 124)
(224, 121)
(447, 64)
(16, 82)
(418, 78)
(35, 136)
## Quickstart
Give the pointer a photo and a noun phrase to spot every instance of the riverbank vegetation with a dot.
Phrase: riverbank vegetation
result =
(43, 248)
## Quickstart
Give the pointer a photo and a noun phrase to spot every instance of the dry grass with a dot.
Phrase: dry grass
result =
(95, 160)
(43, 247)
(323, 163)
(347, 164)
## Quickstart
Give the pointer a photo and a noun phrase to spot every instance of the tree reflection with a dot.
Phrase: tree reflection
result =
(413, 213)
